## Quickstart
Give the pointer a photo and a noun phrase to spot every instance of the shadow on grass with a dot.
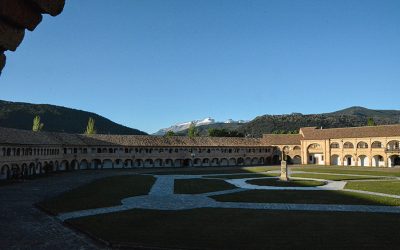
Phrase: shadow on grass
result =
(275, 182)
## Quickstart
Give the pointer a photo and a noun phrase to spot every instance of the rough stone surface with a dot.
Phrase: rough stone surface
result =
(10, 37)
(51, 7)
(20, 13)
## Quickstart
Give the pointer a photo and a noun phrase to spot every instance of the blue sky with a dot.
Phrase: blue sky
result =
(149, 64)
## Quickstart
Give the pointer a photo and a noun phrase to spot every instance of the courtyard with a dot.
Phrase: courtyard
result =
(235, 208)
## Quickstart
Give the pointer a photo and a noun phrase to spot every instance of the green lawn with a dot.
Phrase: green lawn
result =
(216, 170)
(244, 229)
(100, 193)
(386, 187)
(334, 177)
(351, 170)
(307, 197)
(290, 183)
(199, 186)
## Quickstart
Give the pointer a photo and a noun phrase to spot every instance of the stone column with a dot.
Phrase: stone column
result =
(284, 171)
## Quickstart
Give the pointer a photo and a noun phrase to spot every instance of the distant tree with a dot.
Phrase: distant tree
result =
(192, 131)
(371, 122)
(37, 125)
(90, 128)
(170, 133)
(214, 132)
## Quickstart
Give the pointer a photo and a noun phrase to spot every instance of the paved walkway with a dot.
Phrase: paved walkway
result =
(162, 197)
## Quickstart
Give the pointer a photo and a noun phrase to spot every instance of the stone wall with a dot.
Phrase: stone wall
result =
(18, 15)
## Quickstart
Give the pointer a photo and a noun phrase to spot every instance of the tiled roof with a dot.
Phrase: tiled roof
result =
(282, 139)
(311, 133)
(16, 136)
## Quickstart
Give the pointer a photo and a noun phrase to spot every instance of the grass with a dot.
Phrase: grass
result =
(240, 176)
(386, 187)
(216, 170)
(100, 193)
(214, 228)
(334, 177)
(351, 170)
(307, 197)
(199, 186)
(290, 183)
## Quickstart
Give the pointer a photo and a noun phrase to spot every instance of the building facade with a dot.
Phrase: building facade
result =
(25, 153)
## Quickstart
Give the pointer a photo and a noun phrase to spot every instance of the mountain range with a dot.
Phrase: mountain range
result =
(57, 119)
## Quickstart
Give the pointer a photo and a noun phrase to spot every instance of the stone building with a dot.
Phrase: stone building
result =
(373, 146)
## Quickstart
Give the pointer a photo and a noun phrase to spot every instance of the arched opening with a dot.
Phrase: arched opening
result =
(394, 161)
(335, 160)
(158, 163)
(118, 163)
(64, 165)
(254, 161)
(240, 161)
(178, 163)
(107, 163)
(206, 162)
(362, 144)
(363, 161)
(224, 162)
(315, 154)
(378, 161)
(197, 162)
(24, 170)
(96, 164)
(289, 160)
(393, 146)
(187, 163)
(376, 144)
(148, 163)
(56, 166)
(348, 160)
(5, 172)
(83, 164)
(296, 148)
(247, 161)
(261, 161)
(276, 160)
(348, 145)
(232, 162)
(335, 145)
(74, 165)
(138, 163)
(169, 163)
(268, 160)
(31, 168)
(15, 171)
(214, 162)
(297, 159)
(128, 163)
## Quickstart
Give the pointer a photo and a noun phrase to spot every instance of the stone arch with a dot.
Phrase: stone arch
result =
(168, 163)
(31, 168)
(393, 145)
(74, 165)
(187, 162)
(254, 161)
(335, 145)
(56, 166)
(296, 148)
(5, 172)
(348, 145)
(378, 161)
(178, 163)
(247, 161)
(215, 162)
(158, 163)
(363, 161)
(138, 163)
(261, 161)
(148, 163)
(232, 162)
(206, 162)
(240, 161)
(335, 160)
(296, 159)
(394, 161)
(276, 159)
(315, 154)
(289, 160)
(96, 164)
(197, 162)
(128, 163)
(108, 163)
(377, 144)
(362, 144)
(64, 165)
(15, 171)
(224, 162)
(118, 163)
(84, 164)
(348, 160)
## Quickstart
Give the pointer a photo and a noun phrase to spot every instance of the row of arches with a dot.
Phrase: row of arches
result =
(365, 161)
(391, 145)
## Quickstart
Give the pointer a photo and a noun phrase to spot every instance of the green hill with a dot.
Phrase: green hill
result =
(57, 119)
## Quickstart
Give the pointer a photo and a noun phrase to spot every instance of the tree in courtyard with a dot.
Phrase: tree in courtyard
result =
(170, 133)
(90, 129)
(37, 125)
(192, 131)
(371, 122)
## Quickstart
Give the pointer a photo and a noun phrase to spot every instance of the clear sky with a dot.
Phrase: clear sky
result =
(148, 64)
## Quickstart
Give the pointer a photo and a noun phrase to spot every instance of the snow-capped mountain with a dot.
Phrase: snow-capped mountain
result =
(185, 125)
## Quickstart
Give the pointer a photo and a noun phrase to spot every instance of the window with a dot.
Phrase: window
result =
(335, 145)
